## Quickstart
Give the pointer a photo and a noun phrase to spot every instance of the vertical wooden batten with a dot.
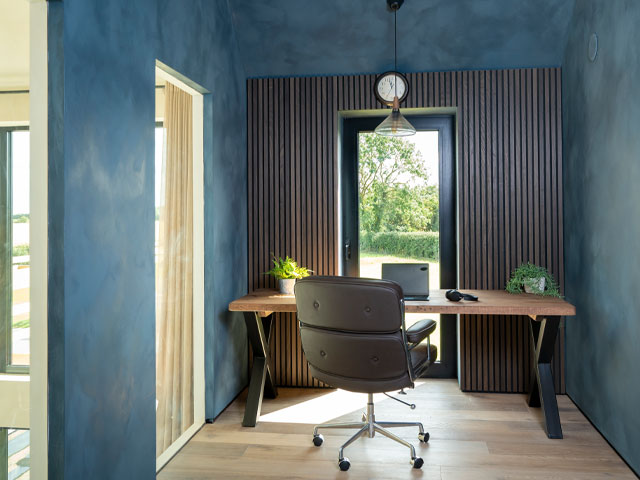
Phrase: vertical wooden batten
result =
(509, 165)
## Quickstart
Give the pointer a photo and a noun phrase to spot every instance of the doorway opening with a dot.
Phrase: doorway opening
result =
(179, 261)
(398, 206)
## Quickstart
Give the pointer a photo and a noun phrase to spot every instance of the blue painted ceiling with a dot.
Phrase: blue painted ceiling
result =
(324, 37)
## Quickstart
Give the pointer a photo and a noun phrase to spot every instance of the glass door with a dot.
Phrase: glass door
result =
(398, 206)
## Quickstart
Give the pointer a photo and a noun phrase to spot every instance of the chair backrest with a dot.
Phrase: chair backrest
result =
(352, 332)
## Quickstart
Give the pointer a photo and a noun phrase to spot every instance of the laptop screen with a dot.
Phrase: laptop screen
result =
(412, 277)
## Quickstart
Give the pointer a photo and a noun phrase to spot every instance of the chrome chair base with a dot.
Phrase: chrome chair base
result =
(369, 427)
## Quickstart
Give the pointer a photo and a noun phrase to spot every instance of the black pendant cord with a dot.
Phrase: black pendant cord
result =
(395, 48)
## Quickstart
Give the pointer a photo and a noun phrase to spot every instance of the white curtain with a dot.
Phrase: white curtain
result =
(174, 277)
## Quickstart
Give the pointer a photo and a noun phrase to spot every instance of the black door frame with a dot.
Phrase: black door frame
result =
(447, 366)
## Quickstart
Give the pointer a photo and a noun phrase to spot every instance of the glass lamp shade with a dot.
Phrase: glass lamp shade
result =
(395, 125)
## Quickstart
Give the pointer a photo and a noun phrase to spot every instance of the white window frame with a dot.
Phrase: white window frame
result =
(38, 220)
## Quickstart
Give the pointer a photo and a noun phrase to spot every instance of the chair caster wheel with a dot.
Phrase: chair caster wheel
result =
(423, 437)
(344, 464)
(417, 462)
(317, 440)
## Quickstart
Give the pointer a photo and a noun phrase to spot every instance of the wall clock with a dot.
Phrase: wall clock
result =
(385, 87)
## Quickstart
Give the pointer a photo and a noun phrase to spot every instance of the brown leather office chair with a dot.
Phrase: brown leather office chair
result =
(354, 337)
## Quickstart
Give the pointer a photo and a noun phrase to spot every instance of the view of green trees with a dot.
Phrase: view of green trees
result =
(394, 190)
(398, 206)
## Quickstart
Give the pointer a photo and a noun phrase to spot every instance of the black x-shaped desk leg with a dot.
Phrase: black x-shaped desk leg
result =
(542, 392)
(262, 374)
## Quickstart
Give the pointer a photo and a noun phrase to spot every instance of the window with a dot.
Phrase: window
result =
(14, 453)
(399, 207)
(15, 259)
(24, 184)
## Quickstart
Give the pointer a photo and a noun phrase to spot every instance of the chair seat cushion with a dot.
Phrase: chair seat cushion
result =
(362, 385)
(420, 330)
(422, 356)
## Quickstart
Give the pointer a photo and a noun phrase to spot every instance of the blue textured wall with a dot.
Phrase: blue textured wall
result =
(105, 203)
(602, 219)
(55, 279)
(291, 38)
(208, 55)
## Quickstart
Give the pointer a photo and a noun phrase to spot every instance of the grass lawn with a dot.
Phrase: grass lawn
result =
(24, 323)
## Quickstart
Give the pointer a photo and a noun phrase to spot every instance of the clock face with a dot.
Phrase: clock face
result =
(389, 85)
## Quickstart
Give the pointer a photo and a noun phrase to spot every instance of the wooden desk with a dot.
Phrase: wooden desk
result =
(544, 319)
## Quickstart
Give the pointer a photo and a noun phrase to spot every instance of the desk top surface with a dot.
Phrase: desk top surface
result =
(490, 302)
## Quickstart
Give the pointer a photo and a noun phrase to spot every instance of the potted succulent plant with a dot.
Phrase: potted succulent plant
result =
(287, 272)
(533, 279)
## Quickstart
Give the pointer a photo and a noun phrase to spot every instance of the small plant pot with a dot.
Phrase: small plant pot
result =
(535, 285)
(286, 285)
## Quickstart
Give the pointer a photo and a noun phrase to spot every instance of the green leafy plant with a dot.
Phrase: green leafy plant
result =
(396, 190)
(22, 323)
(528, 274)
(287, 268)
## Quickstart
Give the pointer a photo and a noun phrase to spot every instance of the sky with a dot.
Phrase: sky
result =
(427, 144)
(20, 154)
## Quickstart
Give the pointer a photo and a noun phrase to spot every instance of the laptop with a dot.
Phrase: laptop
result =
(412, 277)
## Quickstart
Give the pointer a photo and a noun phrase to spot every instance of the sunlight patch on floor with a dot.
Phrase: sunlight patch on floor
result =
(322, 409)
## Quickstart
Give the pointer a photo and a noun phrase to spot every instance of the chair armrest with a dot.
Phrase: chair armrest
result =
(421, 358)
(420, 330)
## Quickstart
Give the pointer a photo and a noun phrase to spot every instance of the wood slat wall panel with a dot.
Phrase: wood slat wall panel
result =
(509, 165)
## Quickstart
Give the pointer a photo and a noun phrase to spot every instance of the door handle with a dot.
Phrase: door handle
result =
(347, 250)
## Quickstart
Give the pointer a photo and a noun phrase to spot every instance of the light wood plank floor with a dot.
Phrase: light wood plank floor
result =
(473, 435)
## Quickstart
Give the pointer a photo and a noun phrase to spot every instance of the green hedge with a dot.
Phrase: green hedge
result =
(423, 245)
(20, 250)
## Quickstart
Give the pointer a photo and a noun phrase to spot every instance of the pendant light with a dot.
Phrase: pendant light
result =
(395, 125)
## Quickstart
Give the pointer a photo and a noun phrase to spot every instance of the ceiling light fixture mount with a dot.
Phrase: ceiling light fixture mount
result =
(389, 84)
(394, 4)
